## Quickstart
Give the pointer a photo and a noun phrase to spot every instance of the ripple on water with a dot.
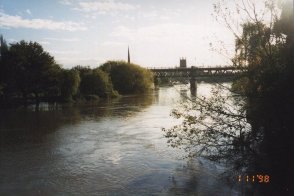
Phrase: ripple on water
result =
(117, 148)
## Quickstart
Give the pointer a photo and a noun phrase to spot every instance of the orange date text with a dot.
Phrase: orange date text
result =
(259, 178)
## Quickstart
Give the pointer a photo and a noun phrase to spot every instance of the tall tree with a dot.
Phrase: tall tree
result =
(3, 47)
(30, 64)
(70, 82)
(252, 127)
(3, 63)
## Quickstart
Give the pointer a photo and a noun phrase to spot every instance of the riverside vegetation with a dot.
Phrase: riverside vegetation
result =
(249, 129)
(28, 74)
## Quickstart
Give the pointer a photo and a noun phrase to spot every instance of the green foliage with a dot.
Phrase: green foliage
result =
(27, 72)
(6, 71)
(30, 64)
(70, 81)
(52, 84)
(96, 82)
(262, 51)
(285, 24)
(212, 128)
(128, 78)
(83, 70)
(3, 48)
(252, 126)
(253, 44)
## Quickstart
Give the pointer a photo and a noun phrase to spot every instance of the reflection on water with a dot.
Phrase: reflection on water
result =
(113, 147)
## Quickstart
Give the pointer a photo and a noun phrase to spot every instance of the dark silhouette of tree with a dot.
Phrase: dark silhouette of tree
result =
(3, 65)
(128, 78)
(97, 83)
(30, 74)
(3, 48)
(30, 65)
(83, 70)
(249, 128)
(70, 81)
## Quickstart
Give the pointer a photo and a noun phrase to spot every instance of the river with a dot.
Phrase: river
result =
(113, 147)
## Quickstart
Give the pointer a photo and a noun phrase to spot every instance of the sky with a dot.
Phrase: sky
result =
(91, 32)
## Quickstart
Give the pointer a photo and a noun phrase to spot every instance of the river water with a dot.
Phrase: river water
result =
(113, 147)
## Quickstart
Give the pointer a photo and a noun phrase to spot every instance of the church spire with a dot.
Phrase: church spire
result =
(129, 58)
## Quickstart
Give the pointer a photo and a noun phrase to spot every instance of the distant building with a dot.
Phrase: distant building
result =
(183, 63)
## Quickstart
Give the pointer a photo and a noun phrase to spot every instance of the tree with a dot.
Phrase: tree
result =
(54, 76)
(70, 81)
(128, 78)
(83, 70)
(3, 64)
(252, 128)
(213, 128)
(97, 83)
(30, 65)
(3, 47)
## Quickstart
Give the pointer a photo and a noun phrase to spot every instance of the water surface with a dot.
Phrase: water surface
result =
(113, 147)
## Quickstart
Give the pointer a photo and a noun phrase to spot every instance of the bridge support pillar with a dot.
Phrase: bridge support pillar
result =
(193, 86)
(156, 80)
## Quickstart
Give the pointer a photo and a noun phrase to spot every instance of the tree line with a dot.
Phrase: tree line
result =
(30, 74)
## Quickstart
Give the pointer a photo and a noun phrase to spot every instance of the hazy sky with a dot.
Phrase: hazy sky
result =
(90, 32)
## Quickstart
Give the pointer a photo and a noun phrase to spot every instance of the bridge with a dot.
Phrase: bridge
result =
(195, 73)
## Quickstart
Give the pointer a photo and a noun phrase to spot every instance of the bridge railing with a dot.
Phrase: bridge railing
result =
(196, 67)
(175, 67)
(198, 71)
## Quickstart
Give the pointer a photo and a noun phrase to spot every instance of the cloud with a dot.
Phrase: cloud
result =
(161, 33)
(168, 33)
(159, 44)
(62, 52)
(65, 2)
(62, 39)
(44, 43)
(104, 7)
(28, 12)
(9, 21)
(114, 44)
(70, 61)
(11, 40)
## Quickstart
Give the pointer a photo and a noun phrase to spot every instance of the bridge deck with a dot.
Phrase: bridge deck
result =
(198, 71)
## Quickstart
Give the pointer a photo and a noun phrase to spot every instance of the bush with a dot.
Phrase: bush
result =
(128, 78)
(69, 84)
(96, 82)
